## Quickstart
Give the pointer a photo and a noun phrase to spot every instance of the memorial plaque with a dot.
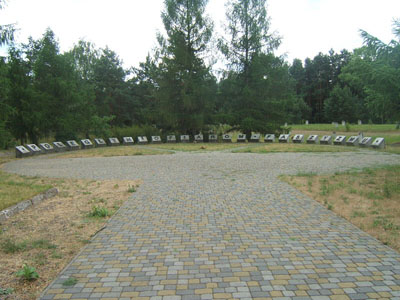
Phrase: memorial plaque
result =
(127, 140)
(156, 139)
(352, 141)
(171, 139)
(340, 140)
(212, 138)
(198, 138)
(336, 124)
(34, 149)
(142, 140)
(113, 141)
(100, 143)
(326, 140)
(312, 139)
(72, 145)
(255, 138)
(366, 142)
(284, 138)
(343, 123)
(379, 143)
(269, 138)
(21, 151)
(59, 146)
(227, 138)
(241, 138)
(47, 148)
(185, 138)
(86, 144)
(359, 122)
(298, 138)
(306, 122)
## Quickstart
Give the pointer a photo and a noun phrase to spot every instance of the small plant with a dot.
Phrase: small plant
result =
(43, 244)
(6, 292)
(360, 214)
(27, 273)
(98, 211)
(131, 189)
(330, 206)
(116, 186)
(9, 246)
(70, 281)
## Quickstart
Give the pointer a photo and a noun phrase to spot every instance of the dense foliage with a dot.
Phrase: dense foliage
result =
(87, 92)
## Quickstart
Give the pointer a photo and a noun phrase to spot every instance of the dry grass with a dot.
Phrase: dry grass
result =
(197, 146)
(369, 199)
(49, 235)
(111, 151)
(290, 147)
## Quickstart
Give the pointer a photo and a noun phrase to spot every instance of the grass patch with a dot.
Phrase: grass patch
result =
(203, 147)
(368, 198)
(111, 151)
(14, 188)
(99, 212)
(290, 147)
(70, 281)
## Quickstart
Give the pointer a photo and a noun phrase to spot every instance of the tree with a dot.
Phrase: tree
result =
(248, 29)
(255, 77)
(6, 36)
(341, 105)
(185, 86)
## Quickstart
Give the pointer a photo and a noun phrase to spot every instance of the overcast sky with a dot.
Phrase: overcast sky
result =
(129, 26)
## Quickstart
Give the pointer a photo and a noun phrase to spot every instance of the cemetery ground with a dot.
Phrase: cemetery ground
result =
(59, 227)
(48, 235)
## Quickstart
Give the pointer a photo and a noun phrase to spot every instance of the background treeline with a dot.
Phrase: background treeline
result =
(87, 92)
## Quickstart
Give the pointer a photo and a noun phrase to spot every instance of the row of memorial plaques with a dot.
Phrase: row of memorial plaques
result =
(32, 149)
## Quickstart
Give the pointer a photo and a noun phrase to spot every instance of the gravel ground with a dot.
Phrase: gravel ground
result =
(221, 225)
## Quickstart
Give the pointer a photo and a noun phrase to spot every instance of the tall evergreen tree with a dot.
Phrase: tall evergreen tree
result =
(185, 86)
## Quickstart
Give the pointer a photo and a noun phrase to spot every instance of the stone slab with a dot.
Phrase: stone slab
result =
(86, 144)
(212, 138)
(99, 142)
(269, 138)
(185, 138)
(227, 138)
(312, 139)
(59, 146)
(255, 138)
(366, 142)
(241, 138)
(326, 140)
(47, 148)
(127, 141)
(113, 141)
(298, 138)
(156, 139)
(72, 145)
(21, 151)
(171, 139)
(340, 140)
(353, 140)
(284, 138)
(199, 138)
(34, 149)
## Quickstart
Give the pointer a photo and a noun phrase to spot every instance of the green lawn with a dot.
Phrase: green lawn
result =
(277, 147)
(352, 127)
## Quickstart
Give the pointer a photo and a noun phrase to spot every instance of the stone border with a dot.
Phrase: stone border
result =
(21, 206)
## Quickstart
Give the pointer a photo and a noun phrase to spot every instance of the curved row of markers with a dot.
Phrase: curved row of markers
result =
(32, 149)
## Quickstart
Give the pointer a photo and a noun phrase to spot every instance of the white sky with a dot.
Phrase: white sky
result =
(129, 27)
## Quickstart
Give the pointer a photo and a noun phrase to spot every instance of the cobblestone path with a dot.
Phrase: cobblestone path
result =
(222, 226)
